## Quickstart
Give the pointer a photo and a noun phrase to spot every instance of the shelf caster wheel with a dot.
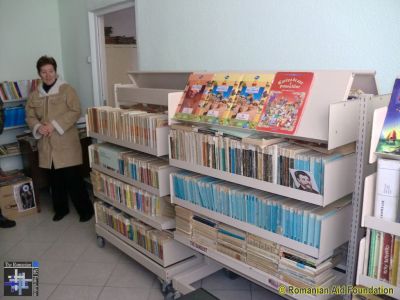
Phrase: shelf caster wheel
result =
(101, 242)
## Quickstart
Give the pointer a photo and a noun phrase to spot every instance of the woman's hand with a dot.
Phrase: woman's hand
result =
(46, 129)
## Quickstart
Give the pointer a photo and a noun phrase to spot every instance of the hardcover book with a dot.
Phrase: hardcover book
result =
(283, 109)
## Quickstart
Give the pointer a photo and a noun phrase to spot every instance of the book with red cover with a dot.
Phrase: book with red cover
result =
(194, 94)
(386, 254)
(288, 95)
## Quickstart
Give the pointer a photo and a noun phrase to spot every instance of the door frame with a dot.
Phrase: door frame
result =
(97, 49)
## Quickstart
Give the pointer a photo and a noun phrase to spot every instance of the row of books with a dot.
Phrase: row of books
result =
(130, 196)
(14, 90)
(289, 265)
(8, 149)
(268, 102)
(136, 126)
(145, 236)
(291, 218)
(382, 254)
(14, 116)
(268, 159)
(133, 164)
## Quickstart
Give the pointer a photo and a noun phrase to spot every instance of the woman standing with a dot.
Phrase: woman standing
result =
(51, 112)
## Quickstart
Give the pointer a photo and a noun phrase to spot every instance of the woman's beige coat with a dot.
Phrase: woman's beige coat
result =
(60, 107)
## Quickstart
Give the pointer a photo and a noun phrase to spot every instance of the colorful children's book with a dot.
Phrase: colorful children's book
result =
(283, 109)
(193, 96)
(389, 140)
(249, 102)
(220, 97)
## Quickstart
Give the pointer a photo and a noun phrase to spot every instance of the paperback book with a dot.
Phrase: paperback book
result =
(283, 109)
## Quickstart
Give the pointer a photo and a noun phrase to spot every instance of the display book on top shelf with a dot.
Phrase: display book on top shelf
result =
(175, 257)
(329, 118)
(385, 227)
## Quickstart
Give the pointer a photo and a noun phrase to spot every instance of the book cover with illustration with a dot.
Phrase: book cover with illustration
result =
(249, 102)
(288, 95)
(194, 94)
(389, 140)
(219, 97)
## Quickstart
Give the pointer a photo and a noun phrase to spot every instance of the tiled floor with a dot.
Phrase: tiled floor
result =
(73, 267)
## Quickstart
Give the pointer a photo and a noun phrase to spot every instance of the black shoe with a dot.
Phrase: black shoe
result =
(58, 217)
(86, 217)
(6, 223)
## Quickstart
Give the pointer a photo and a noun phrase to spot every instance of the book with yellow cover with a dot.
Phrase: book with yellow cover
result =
(246, 109)
(219, 97)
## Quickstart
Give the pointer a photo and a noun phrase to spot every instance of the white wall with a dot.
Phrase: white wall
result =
(28, 30)
(76, 49)
(122, 22)
(270, 35)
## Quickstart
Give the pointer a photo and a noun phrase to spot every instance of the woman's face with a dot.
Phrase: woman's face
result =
(48, 74)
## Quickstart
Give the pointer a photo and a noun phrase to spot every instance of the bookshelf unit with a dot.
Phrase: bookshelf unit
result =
(375, 111)
(11, 161)
(177, 258)
(329, 118)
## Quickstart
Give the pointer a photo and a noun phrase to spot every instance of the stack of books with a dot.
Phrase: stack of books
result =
(204, 231)
(263, 254)
(183, 220)
(304, 271)
(231, 242)
(11, 148)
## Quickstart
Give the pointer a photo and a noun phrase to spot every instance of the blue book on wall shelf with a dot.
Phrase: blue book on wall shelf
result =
(389, 140)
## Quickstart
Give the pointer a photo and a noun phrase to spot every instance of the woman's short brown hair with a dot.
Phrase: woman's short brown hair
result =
(46, 60)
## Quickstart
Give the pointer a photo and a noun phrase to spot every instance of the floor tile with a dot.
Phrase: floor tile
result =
(5, 247)
(48, 231)
(27, 251)
(93, 274)
(155, 294)
(108, 254)
(115, 293)
(64, 251)
(261, 294)
(220, 281)
(72, 292)
(53, 272)
(229, 294)
(131, 275)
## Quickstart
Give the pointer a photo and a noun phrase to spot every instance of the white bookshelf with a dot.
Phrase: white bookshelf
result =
(382, 225)
(163, 180)
(157, 222)
(372, 282)
(161, 148)
(165, 273)
(14, 101)
(10, 155)
(338, 180)
(15, 127)
(266, 280)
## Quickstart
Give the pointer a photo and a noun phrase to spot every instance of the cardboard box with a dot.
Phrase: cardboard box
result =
(18, 199)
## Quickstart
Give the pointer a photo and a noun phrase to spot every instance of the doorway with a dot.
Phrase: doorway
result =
(113, 49)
